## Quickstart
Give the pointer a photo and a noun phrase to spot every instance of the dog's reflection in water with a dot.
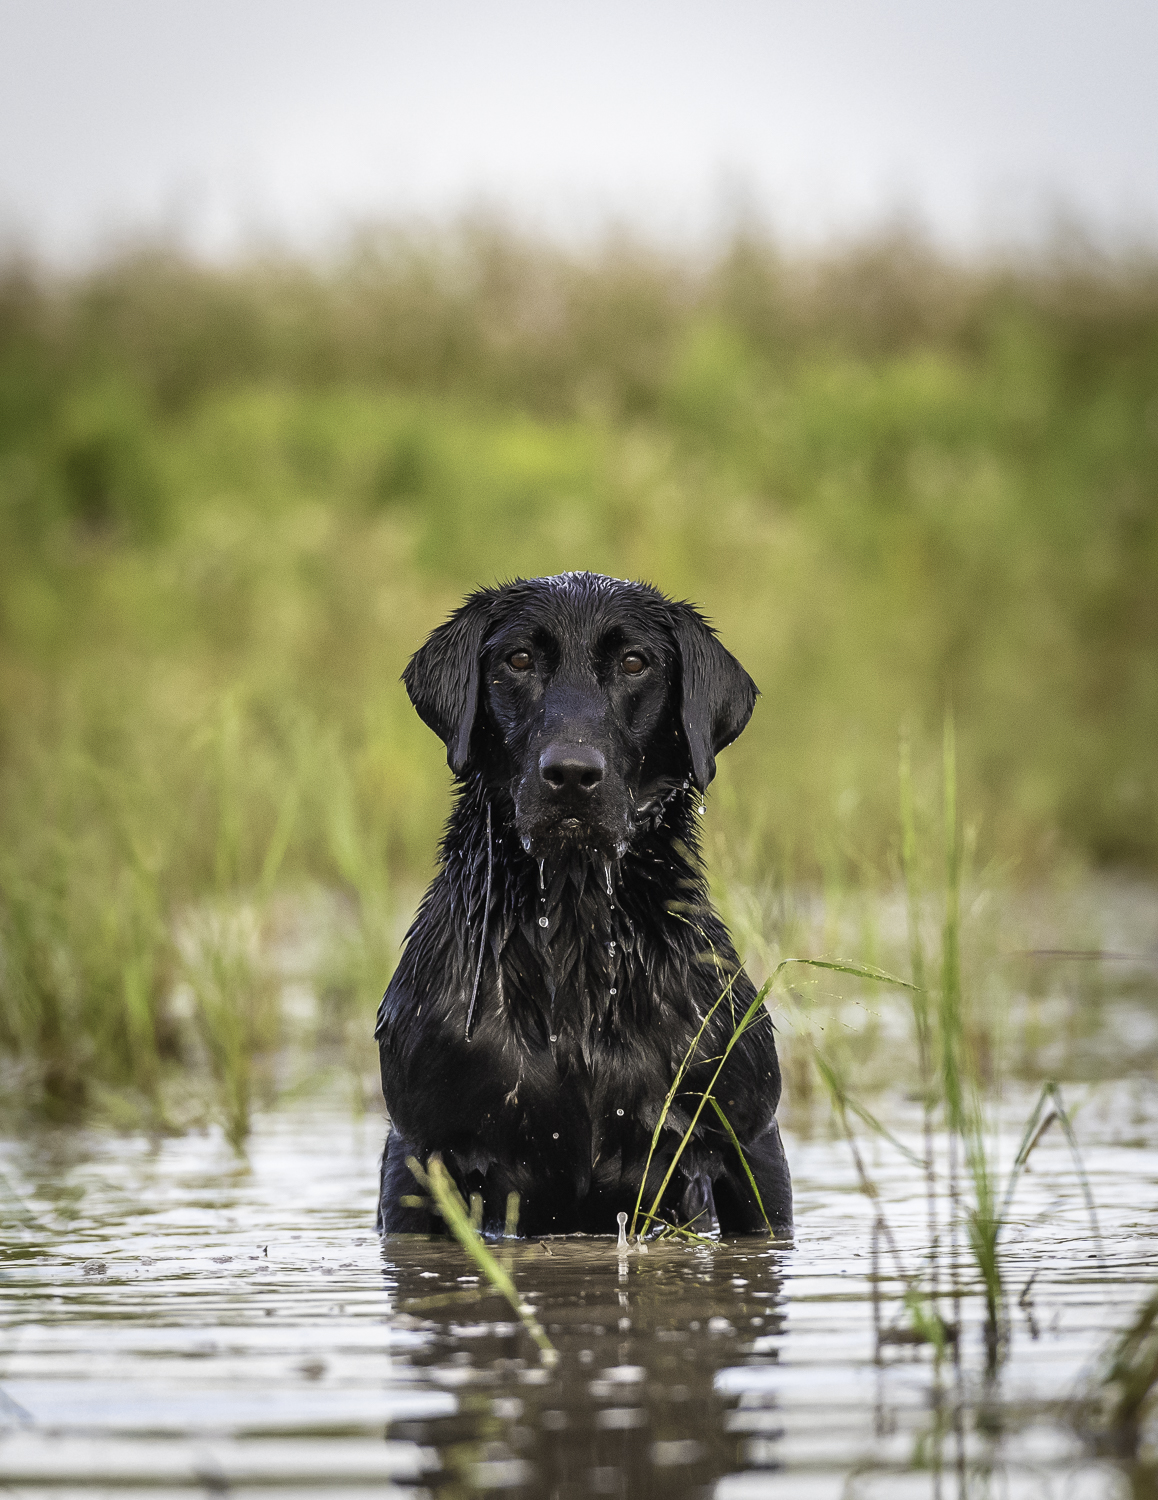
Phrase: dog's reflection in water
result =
(633, 1407)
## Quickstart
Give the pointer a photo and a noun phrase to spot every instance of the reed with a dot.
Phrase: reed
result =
(235, 1012)
(954, 1064)
(650, 1215)
(459, 1220)
(1112, 1411)
(234, 499)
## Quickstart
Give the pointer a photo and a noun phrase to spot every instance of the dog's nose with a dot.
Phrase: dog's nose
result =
(572, 768)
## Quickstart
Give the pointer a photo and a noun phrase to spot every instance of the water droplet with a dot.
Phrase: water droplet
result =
(701, 809)
(614, 991)
(611, 946)
(527, 843)
(618, 1111)
(607, 873)
(621, 1220)
(555, 1038)
(542, 922)
(554, 1135)
(542, 886)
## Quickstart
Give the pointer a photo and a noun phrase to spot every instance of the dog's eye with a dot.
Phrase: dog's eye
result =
(519, 661)
(633, 663)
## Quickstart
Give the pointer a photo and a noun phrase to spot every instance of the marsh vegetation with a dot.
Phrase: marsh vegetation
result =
(920, 500)
(233, 500)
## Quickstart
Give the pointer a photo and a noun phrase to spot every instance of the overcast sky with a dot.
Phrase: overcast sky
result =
(225, 119)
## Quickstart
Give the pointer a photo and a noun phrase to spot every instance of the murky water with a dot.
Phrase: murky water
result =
(176, 1323)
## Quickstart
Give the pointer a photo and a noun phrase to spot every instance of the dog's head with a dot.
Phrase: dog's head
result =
(589, 699)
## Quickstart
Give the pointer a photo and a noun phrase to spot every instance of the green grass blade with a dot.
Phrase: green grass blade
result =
(868, 1187)
(1067, 1126)
(919, 1000)
(1035, 1127)
(869, 1119)
(844, 1100)
(682, 1232)
(437, 1180)
(909, 873)
(727, 1124)
(685, 1064)
(745, 1021)
(858, 971)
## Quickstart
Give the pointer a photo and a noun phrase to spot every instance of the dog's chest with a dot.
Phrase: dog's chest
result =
(584, 1068)
(569, 1106)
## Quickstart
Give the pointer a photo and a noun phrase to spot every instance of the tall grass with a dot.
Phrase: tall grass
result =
(233, 500)
(955, 1072)
(956, 1056)
(1121, 1394)
(642, 1219)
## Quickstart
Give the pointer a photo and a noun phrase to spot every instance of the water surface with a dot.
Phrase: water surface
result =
(177, 1322)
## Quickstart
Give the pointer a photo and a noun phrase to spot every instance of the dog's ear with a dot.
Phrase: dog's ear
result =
(442, 677)
(717, 695)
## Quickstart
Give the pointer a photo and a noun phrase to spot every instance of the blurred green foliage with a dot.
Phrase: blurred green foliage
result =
(233, 500)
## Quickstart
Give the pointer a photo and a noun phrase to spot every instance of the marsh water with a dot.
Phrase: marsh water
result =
(176, 1320)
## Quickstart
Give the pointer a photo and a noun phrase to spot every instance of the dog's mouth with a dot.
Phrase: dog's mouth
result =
(571, 830)
(572, 833)
(573, 837)
(567, 821)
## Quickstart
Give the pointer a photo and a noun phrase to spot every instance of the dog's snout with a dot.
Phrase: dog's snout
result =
(572, 768)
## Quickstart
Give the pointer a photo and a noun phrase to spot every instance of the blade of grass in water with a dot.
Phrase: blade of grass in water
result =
(727, 1124)
(1128, 1381)
(960, 1084)
(840, 1104)
(437, 1180)
(949, 1018)
(671, 1093)
(860, 971)
(919, 1002)
(682, 1232)
(840, 1096)
(949, 1022)
(1038, 1123)
(745, 1021)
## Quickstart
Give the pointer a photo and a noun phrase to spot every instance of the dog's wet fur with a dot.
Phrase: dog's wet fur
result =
(566, 954)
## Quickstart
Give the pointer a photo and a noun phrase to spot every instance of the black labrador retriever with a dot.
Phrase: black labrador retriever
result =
(565, 958)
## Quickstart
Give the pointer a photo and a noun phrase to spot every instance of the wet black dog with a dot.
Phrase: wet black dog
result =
(565, 958)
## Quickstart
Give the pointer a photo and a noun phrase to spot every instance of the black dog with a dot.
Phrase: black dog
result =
(565, 957)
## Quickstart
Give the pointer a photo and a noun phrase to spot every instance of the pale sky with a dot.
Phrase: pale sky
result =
(227, 119)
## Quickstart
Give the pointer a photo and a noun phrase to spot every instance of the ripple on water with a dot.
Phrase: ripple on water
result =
(175, 1324)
